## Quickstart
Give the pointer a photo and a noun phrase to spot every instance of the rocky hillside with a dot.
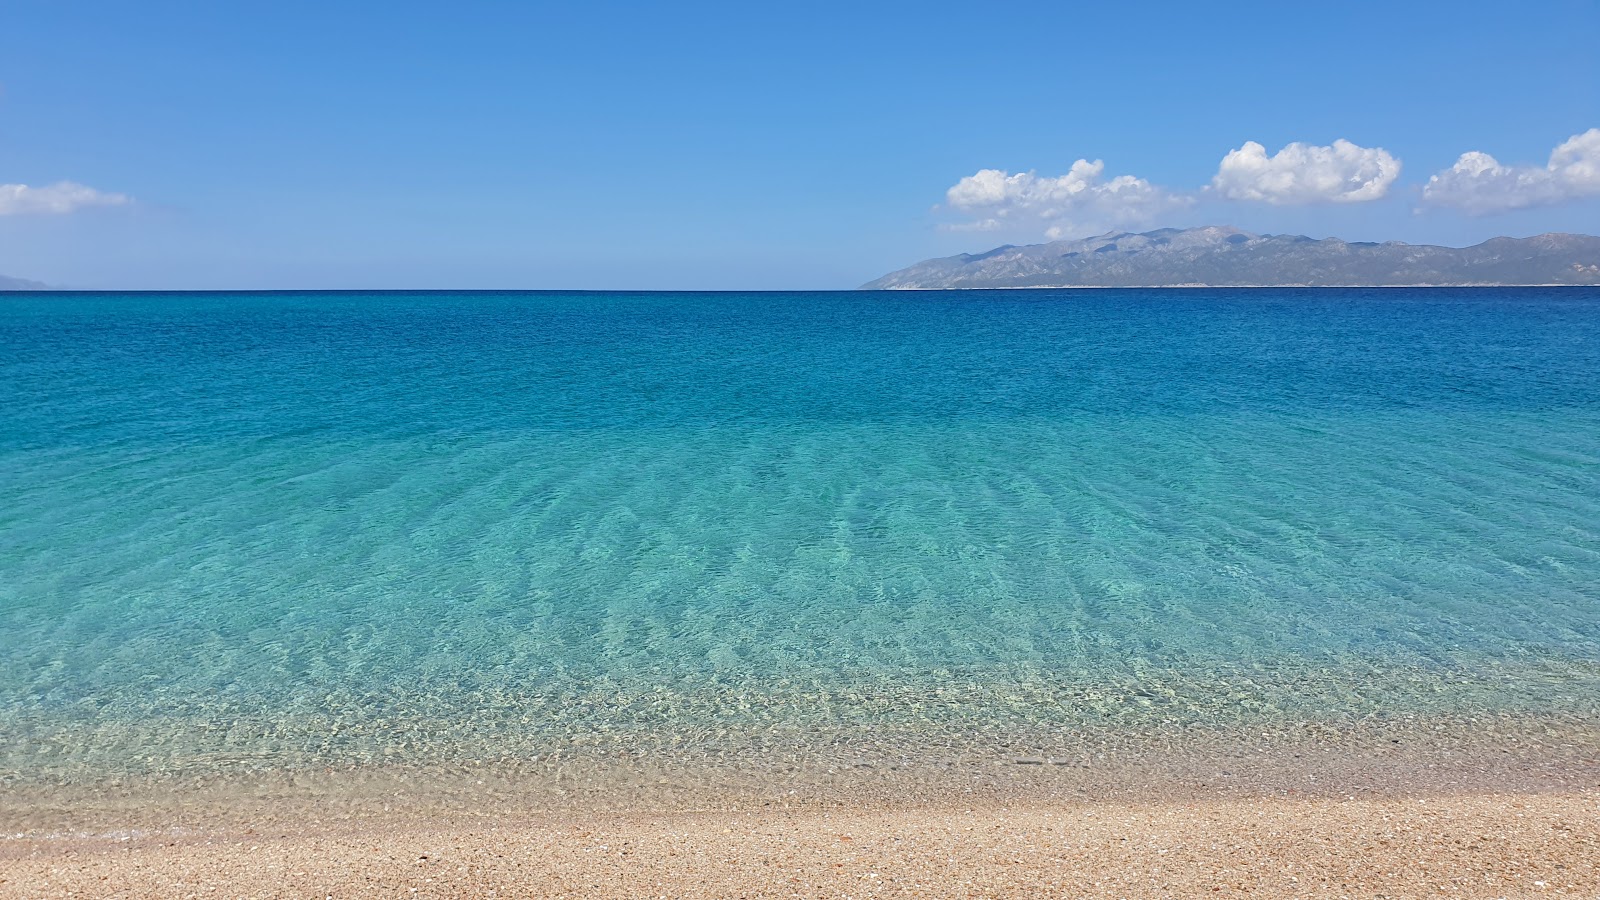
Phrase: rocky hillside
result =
(1218, 256)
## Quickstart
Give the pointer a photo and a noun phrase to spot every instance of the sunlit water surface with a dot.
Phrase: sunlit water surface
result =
(292, 529)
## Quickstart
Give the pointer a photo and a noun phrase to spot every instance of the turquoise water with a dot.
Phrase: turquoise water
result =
(286, 529)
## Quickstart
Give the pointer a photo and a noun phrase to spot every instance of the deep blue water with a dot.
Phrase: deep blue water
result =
(290, 527)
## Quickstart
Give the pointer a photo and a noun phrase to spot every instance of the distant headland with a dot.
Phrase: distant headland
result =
(1219, 256)
(21, 284)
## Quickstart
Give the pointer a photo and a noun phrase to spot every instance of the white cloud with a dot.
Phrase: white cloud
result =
(975, 225)
(1305, 173)
(1079, 202)
(61, 197)
(1479, 184)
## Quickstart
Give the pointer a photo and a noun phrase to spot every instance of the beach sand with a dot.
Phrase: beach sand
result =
(1469, 845)
(1374, 817)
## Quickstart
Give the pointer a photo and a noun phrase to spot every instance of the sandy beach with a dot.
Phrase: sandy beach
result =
(1472, 845)
(1373, 815)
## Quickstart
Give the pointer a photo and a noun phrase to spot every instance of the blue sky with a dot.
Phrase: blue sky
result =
(732, 146)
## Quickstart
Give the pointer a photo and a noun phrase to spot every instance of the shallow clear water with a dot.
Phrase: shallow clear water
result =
(292, 528)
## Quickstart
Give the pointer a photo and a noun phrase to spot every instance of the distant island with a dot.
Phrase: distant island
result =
(1219, 256)
(21, 284)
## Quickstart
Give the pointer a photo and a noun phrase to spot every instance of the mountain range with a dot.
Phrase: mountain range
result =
(1220, 256)
(21, 284)
(1217, 256)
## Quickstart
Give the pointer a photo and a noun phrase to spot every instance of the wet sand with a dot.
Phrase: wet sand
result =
(1374, 817)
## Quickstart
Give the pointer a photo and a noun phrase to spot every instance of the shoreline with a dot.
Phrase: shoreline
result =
(883, 766)
(1368, 813)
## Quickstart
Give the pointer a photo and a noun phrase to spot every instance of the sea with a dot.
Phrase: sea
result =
(243, 532)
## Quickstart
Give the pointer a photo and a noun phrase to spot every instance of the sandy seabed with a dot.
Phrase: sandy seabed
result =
(1385, 814)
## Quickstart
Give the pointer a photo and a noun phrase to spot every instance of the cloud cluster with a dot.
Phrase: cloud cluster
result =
(1082, 199)
(1478, 183)
(1305, 174)
(61, 197)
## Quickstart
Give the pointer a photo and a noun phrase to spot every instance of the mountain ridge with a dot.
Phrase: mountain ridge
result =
(8, 283)
(1223, 256)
